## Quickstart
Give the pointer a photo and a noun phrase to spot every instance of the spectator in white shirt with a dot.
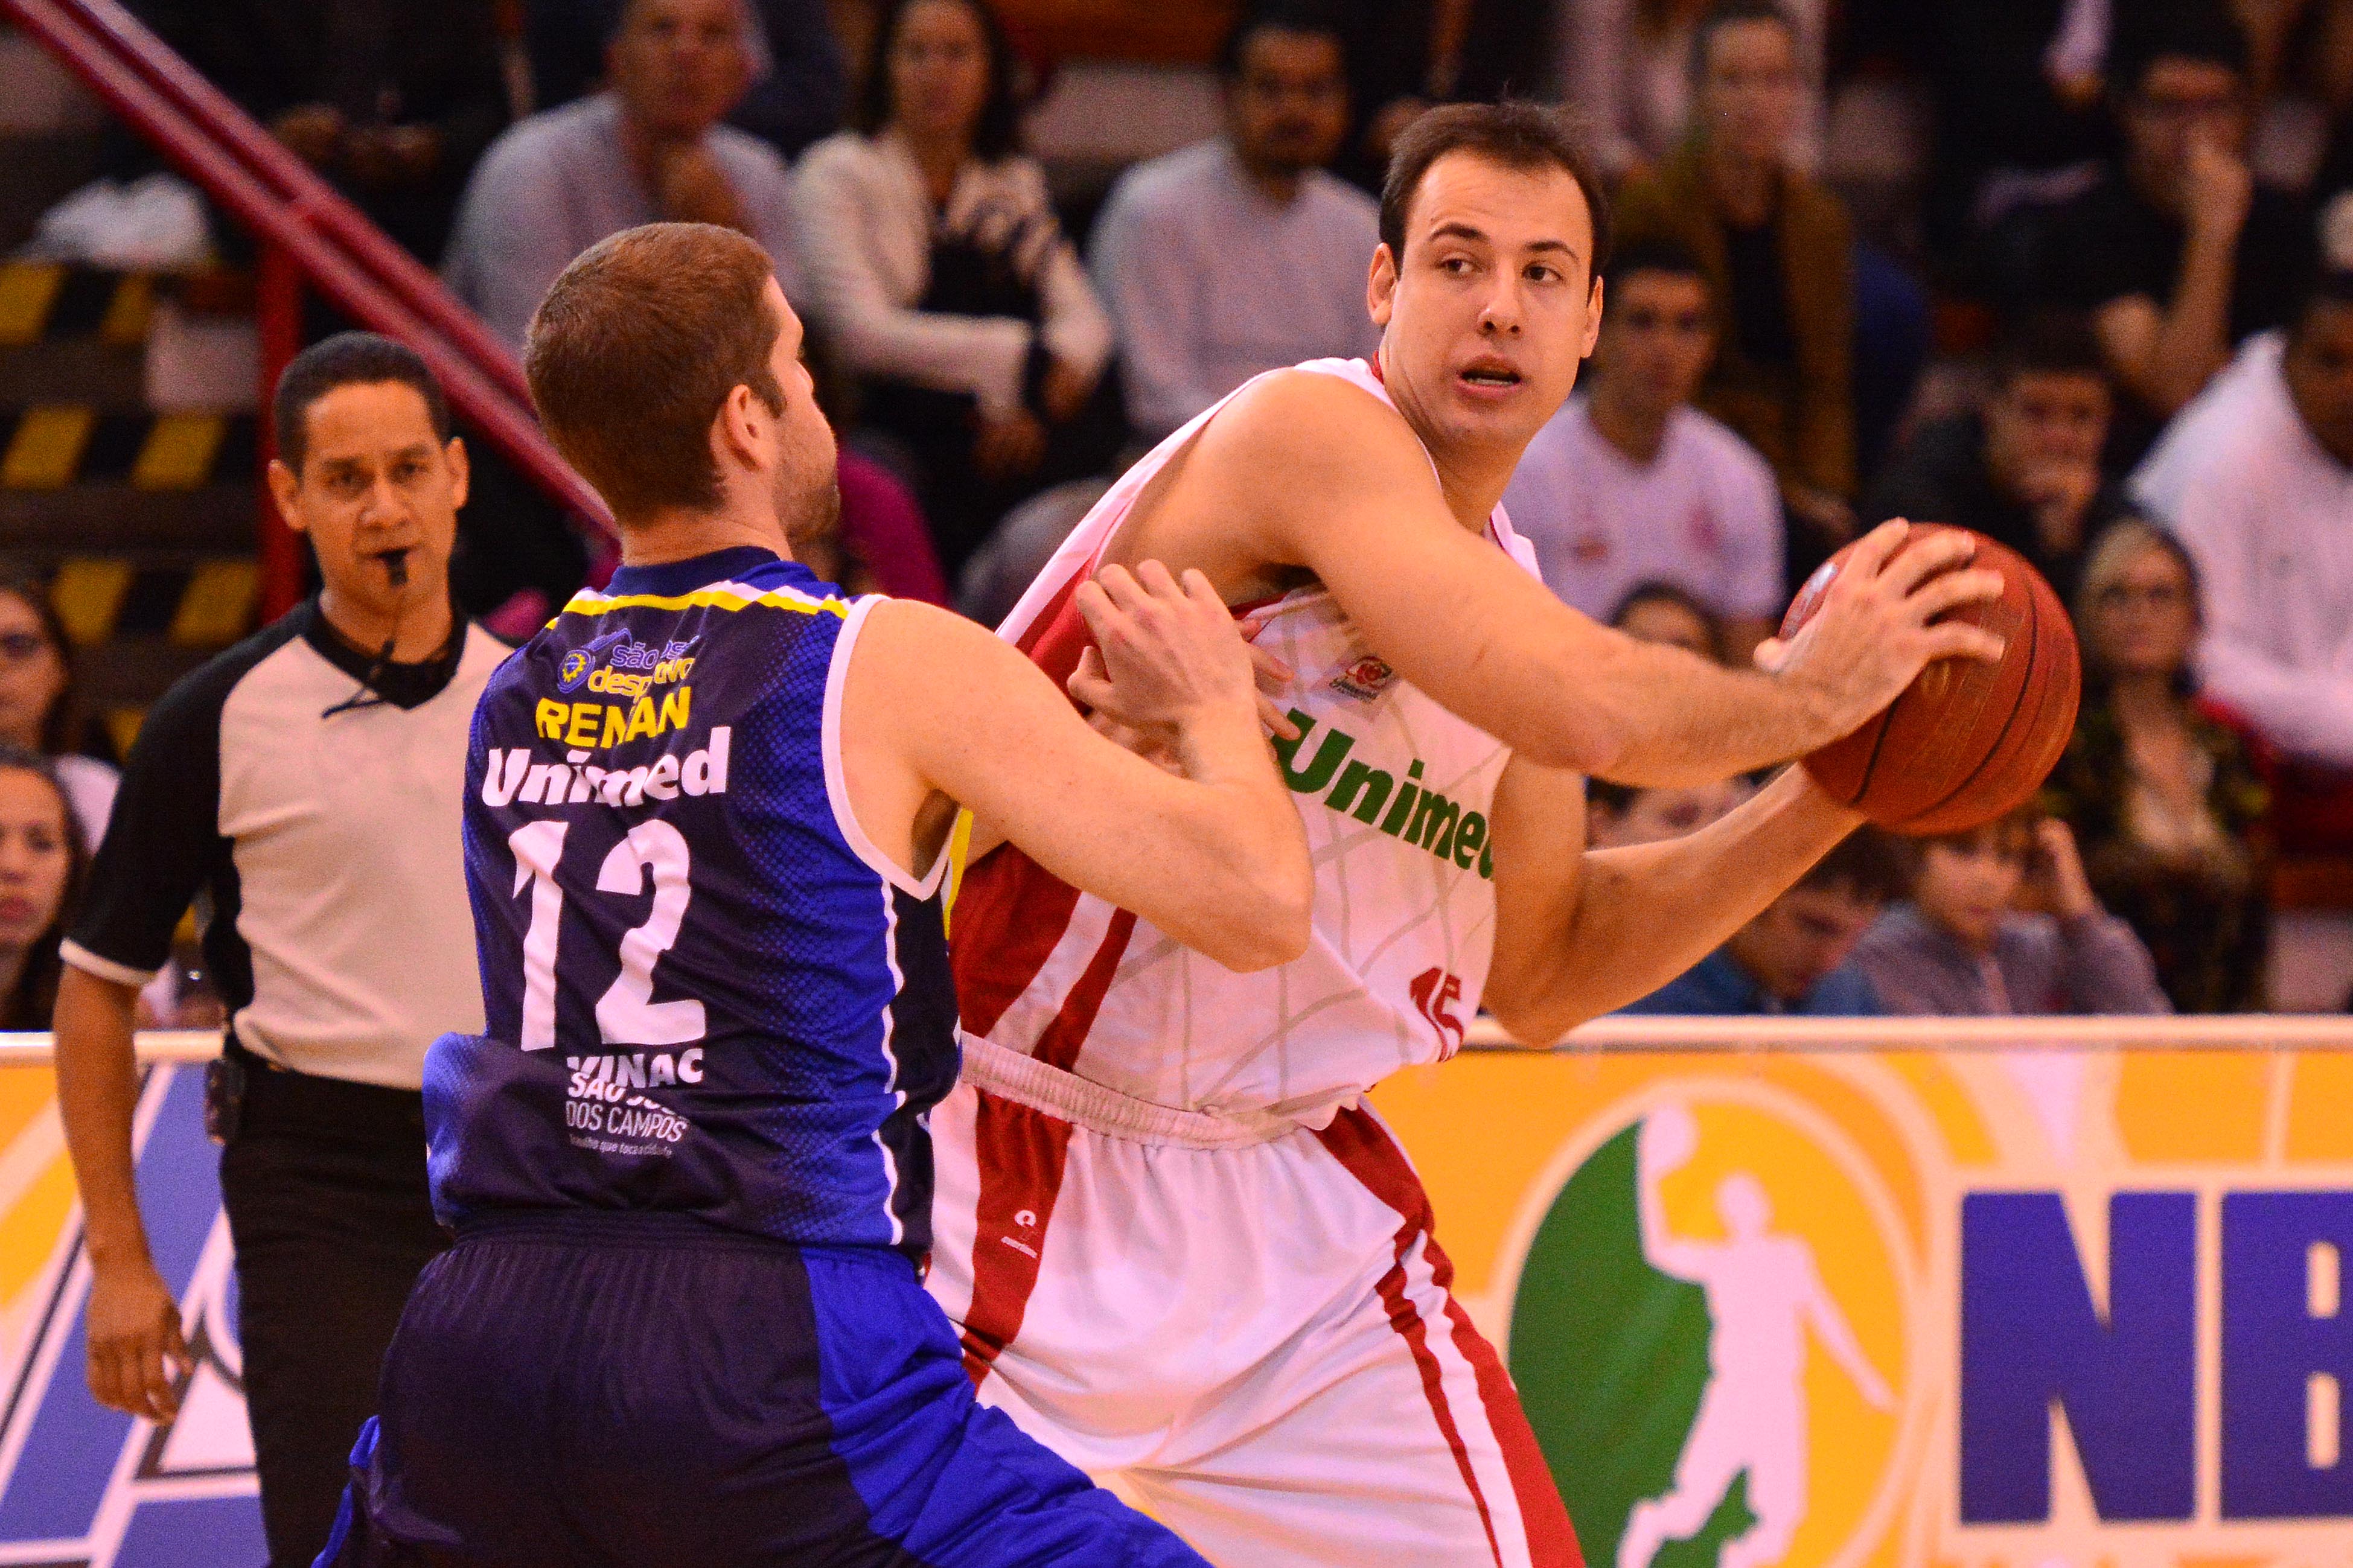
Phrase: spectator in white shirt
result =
(944, 281)
(1241, 255)
(1630, 484)
(2256, 477)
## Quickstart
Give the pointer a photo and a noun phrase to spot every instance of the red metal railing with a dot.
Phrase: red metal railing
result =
(307, 232)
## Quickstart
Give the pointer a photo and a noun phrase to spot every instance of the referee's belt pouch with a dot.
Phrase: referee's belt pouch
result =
(225, 1081)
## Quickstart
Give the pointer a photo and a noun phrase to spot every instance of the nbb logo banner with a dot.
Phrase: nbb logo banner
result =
(81, 1484)
(1994, 1309)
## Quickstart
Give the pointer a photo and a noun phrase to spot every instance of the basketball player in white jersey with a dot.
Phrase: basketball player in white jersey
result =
(1181, 1251)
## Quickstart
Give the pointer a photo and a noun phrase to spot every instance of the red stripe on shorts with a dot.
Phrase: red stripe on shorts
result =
(1021, 1154)
(1361, 1144)
(1551, 1535)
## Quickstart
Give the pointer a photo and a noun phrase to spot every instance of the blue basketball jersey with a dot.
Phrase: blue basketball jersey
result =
(706, 992)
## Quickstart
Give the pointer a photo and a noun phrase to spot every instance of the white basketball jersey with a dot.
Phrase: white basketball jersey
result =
(1395, 794)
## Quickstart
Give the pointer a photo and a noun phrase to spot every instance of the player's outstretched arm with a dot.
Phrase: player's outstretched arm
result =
(1580, 933)
(938, 709)
(1358, 506)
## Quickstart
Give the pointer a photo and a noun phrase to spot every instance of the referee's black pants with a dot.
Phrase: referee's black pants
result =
(324, 1186)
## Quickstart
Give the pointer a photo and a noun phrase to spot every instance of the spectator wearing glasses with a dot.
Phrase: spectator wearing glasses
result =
(1243, 255)
(38, 713)
(2162, 798)
(304, 785)
(1628, 485)
(1778, 250)
(2024, 467)
(43, 860)
(2174, 252)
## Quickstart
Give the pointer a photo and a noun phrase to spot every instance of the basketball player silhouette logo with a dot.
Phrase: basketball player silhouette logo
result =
(1763, 1295)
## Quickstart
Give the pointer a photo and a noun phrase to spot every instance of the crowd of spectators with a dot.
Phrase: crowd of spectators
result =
(2109, 323)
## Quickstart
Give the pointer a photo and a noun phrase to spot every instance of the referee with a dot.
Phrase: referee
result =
(303, 788)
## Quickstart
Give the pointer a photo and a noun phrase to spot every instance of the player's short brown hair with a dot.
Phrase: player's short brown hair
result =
(635, 350)
(1518, 135)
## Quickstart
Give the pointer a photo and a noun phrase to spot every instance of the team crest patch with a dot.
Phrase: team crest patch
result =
(576, 668)
(1364, 679)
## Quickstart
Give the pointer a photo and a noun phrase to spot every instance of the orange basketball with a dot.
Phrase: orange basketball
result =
(1966, 741)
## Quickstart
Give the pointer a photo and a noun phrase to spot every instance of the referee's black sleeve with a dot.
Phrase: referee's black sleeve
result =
(164, 837)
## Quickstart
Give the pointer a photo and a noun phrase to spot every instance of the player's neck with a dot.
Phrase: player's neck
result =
(676, 534)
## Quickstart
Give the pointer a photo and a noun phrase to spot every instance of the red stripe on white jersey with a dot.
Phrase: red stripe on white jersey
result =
(1364, 1147)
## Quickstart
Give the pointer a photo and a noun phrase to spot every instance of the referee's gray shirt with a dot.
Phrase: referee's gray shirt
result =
(322, 847)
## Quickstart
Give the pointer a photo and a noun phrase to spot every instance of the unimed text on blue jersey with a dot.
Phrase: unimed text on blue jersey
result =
(706, 992)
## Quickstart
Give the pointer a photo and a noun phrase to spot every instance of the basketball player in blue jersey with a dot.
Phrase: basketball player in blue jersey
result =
(707, 814)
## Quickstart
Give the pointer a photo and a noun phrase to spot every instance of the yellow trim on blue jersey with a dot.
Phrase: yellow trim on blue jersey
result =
(959, 850)
(717, 596)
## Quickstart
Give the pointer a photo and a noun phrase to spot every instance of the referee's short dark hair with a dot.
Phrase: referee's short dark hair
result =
(347, 359)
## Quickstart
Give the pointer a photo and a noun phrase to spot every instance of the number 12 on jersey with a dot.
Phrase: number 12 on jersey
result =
(627, 1015)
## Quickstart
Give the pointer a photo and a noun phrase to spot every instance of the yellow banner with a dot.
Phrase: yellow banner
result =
(1987, 1307)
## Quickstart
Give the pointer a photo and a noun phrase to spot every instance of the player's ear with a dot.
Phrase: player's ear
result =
(462, 472)
(1380, 286)
(284, 486)
(1593, 318)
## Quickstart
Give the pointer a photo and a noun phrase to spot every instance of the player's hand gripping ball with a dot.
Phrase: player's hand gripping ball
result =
(1968, 741)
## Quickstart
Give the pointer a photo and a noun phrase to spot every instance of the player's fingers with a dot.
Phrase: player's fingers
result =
(1276, 720)
(156, 1372)
(1091, 690)
(1104, 618)
(1273, 673)
(104, 1386)
(1923, 558)
(1958, 639)
(1953, 590)
(1157, 581)
(1873, 551)
(1118, 585)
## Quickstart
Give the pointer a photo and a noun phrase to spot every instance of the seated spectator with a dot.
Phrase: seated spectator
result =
(2253, 477)
(2162, 799)
(43, 861)
(2174, 251)
(1241, 255)
(1796, 957)
(392, 100)
(1626, 64)
(1962, 947)
(1620, 816)
(37, 711)
(1629, 484)
(1663, 613)
(945, 284)
(1780, 253)
(2023, 469)
(648, 148)
(800, 73)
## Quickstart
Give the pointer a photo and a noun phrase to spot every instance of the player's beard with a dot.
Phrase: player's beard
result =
(814, 513)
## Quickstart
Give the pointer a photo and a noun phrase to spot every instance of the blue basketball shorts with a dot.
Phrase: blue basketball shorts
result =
(640, 1391)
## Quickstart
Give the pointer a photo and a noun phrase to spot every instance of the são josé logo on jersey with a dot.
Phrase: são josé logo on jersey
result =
(1712, 1294)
